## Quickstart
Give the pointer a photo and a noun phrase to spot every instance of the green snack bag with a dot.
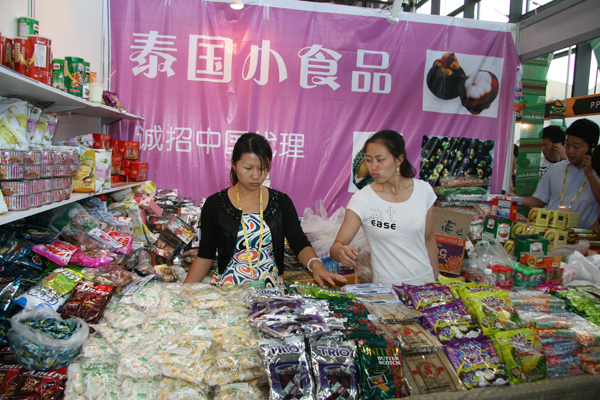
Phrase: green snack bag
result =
(521, 350)
(329, 294)
(493, 311)
(381, 373)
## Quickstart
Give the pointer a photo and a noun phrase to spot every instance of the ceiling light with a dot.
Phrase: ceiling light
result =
(236, 4)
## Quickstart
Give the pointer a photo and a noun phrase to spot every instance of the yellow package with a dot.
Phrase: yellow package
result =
(85, 180)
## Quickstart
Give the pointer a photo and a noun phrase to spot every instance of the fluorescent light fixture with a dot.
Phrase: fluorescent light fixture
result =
(236, 4)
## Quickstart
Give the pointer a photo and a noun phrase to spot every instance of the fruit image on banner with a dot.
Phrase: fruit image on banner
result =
(441, 156)
(461, 83)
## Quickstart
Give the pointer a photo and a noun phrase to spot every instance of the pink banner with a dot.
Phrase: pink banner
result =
(315, 82)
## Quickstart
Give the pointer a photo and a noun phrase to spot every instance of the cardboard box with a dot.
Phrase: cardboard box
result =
(138, 171)
(451, 252)
(535, 230)
(518, 228)
(115, 179)
(101, 141)
(538, 216)
(572, 220)
(556, 237)
(114, 146)
(497, 229)
(540, 261)
(116, 162)
(129, 150)
(452, 223)
(557, 219)
(504, 209)
(126, 163)
(530, 244)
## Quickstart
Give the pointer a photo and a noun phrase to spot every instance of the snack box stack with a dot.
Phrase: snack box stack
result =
(574, 235)
(551, 224)
(126, 167)
(33, 178)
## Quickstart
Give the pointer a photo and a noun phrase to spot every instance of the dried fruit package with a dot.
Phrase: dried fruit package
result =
(381, 373)
(428, 373)
(521, 350)
(333, 367)
(287, 368)
(477, 363)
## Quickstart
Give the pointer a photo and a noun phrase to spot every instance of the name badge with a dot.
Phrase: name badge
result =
(564, 208)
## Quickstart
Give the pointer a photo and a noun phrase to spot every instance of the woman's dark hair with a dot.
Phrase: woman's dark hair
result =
(394, 142)
(251, 143)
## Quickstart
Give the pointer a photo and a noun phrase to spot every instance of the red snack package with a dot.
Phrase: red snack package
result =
(57, 251)
(42, 385)
(10, 374)
(87, 301)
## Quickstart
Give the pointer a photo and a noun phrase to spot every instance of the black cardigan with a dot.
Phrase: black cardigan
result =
(220, 223)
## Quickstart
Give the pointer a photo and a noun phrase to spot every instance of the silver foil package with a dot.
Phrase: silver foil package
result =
(287, 368)
(334, 371)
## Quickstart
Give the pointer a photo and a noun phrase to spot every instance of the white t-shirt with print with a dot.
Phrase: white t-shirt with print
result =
(396, 234)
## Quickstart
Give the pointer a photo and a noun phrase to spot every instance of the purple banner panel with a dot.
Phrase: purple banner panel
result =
(315, 79)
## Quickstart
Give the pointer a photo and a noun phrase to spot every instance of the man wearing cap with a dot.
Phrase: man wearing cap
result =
(572, 185)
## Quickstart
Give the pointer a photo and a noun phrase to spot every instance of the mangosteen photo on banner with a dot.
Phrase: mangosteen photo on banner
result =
(456, 83)
(441, 156)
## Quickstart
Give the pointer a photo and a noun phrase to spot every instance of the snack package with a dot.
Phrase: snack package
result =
(287, 368)
(428, 373)
(392, 312)
(85, 179)
(333, 366)
(413, 337)
(522, 353)
(477, 363)
(34, 384)
(13, 118)
(451, 322)
(87, 301)
(83, 260)
(423, 298)
(52, 290)
(381, 373)
(57, 251)
(493, 311)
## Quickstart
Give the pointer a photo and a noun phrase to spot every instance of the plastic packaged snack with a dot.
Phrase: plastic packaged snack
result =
(451, 322)
(521, 350)
(381, 373)
(333, 367)
(239, 391)
(52, 291)
(413, 337)
(43, 341)
(287, 368)
(392, 312)
(428, 373)
(87, 301)
(57, 251)
(93, 379)
(477, 363)
(97, 347)
(493, 311)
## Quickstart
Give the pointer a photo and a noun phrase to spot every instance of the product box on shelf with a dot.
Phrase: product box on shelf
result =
(114, 146)
(556, 237)
(497, 229)
(101, 141)
(138, 171)
(129, 150)
(116, 179)
(125, 163)
(557, 219)
(538, 260)
(116, 163)
(504, 209)
(572, 220)
(535, 230)
(451, 252)
(538, 216)
(146, 202)
(518, 228)
(530, 244)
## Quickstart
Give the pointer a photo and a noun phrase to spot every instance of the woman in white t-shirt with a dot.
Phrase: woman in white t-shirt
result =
(396, 213)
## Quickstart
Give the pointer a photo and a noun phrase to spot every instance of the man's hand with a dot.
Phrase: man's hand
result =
(587, 164)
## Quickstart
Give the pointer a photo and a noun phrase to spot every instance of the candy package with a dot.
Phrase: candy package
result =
(87, 301)
(110, 275)
(423, 298)
(522, 353)
(451, 322)
(52, 290)
(239, 391)
(428, 373)
(57, 251)
(381, 373)
(42, 340)
(493, 311)
(477, 363)
(287, 368)
(333, 367)
(38, 385)
(413, 337)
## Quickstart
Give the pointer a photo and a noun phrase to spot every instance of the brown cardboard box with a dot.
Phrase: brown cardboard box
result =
(451, 230)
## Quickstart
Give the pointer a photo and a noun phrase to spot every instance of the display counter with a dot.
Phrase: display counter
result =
(582, 387)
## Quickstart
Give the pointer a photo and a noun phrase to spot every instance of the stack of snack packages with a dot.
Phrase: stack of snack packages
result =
(126, 167)
(33, 172)
(126, 209)
(94, 173)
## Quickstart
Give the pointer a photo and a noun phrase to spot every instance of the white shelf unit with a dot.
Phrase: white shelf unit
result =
(52, 100)
(12, 216)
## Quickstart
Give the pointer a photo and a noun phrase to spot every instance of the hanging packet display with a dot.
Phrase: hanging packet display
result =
(381, 373)
(287, 368)
(333, 367)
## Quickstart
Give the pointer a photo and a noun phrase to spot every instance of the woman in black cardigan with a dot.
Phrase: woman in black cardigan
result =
(248, 223)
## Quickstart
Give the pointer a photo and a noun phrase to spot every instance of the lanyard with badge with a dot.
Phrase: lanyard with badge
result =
(237, 195)
(561, 207)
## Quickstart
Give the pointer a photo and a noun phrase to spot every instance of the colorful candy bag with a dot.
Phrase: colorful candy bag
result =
(493, 311)
(52, 290)
(427, 373)
(333, 367)
(301, 324)
(87, 301)
(451, 322)
(477, 363)
(541, 320)
(277, 306)
(57, 251)
(521, 350)
(83, 260)
(423, 298)
(381, 373)
(347, 309)
(287, 368)
(124, 239)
